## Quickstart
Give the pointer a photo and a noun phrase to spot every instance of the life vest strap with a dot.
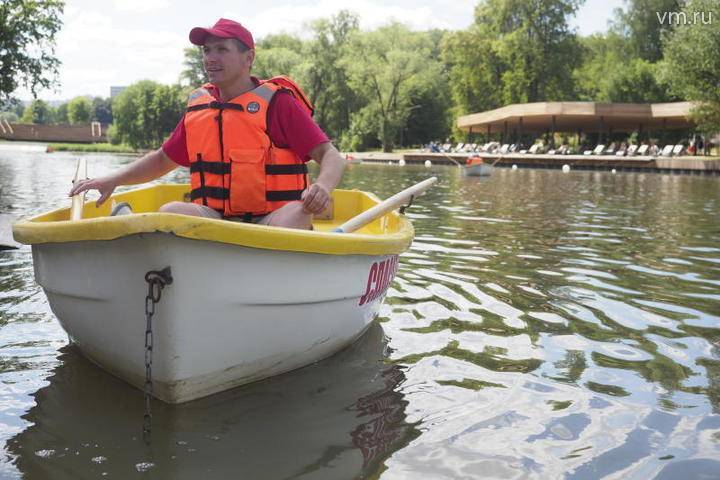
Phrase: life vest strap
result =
(220, 168)
(295, 169)
(210, 192)
(216, 105)
(217, 168)
(283, 195)
(220, 193)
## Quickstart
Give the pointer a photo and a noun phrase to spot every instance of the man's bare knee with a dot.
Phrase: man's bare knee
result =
(173, 207)
(292, 215)
(189, 209)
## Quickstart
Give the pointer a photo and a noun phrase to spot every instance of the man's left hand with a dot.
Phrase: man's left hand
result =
(315, 198)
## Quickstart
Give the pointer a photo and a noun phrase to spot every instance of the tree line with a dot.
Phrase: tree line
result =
(393, 87)
(78, 111)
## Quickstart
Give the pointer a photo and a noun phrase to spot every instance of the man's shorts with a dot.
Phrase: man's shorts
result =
(203, 211)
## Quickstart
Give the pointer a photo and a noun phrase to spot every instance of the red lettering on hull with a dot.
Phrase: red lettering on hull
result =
(379, 279)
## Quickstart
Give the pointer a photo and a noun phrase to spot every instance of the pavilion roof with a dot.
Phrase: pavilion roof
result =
(572, 116)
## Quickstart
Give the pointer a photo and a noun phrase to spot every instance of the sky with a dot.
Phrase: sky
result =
(118, 42)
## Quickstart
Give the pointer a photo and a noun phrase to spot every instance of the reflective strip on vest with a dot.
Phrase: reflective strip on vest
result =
(264, 92)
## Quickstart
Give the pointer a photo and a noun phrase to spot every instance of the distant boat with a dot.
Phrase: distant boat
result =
(475, 167)
(246, 301)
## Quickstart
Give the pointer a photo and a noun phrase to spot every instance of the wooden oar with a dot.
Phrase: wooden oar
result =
(452, 159)
(76, 210)
(384, 207)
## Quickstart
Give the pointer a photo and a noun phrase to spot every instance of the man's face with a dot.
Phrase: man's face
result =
(224, 62)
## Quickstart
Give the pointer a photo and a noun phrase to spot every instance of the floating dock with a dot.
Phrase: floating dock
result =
(684, 164)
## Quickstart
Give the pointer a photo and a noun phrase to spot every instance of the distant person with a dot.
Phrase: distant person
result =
(245, 141)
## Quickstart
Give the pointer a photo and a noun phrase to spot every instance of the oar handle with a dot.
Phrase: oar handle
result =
(384, 207)
(76, 210)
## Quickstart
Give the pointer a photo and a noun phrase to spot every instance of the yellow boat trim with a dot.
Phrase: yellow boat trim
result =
(390, 234)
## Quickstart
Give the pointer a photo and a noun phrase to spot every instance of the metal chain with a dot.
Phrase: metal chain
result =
(156, 281)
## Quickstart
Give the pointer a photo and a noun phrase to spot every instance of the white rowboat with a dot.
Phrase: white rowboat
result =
(246, 302)
(478, 170)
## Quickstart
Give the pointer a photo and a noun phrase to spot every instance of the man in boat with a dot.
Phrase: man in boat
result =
(246, 142)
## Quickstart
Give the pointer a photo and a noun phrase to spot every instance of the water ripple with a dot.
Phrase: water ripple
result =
(542, 325)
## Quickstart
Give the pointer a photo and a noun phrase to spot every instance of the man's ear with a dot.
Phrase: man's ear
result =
(250, 58)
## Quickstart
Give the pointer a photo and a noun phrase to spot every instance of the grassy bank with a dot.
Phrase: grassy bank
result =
(90, 147)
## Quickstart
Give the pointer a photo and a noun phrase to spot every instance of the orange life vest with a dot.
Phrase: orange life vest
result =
(234, 166)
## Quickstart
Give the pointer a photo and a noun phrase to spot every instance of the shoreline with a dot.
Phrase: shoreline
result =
(692, 165)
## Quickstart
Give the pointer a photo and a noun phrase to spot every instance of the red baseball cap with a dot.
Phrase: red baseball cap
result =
(223, 28)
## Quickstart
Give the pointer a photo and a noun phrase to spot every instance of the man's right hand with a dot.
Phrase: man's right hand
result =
(104, 185)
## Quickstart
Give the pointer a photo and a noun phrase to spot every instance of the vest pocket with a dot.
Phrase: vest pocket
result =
(247, 181)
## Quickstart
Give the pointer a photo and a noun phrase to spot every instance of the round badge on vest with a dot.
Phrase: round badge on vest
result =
(253, 107)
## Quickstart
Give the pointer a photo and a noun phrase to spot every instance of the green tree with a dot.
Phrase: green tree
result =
(11, 109)
(516, 51)
(79, 110)
(102, 110)
(146, 112)
(276, 59)
(637, 82)
(536, 46)
(9, 116)
(602, 55)
(640, 24)
(430, 119)
(27, 43)
(325, 78)
(193, 73)
(431, 116)
(474, 71)
(61, 114)
(395, 69)
(38, 112)
(692, 65)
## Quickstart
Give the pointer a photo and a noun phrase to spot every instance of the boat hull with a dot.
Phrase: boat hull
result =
(232, 315)
(481, 170)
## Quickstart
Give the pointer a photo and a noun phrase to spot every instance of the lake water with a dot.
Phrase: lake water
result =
(543, 325)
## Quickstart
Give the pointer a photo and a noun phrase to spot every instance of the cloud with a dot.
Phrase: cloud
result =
(294, 18)
(97, 53)
(140, 6)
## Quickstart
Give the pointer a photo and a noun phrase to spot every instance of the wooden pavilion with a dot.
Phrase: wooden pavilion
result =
(579, 118)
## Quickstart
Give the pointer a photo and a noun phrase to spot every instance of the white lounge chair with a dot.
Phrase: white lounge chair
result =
(599, 150)
(678, 150)
(504, 149)
(643, 149)
(667, 151)
(631, 150)
(534, 148)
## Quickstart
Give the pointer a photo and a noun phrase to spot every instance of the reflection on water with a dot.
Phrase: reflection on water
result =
(543, 325)
(336, 419)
